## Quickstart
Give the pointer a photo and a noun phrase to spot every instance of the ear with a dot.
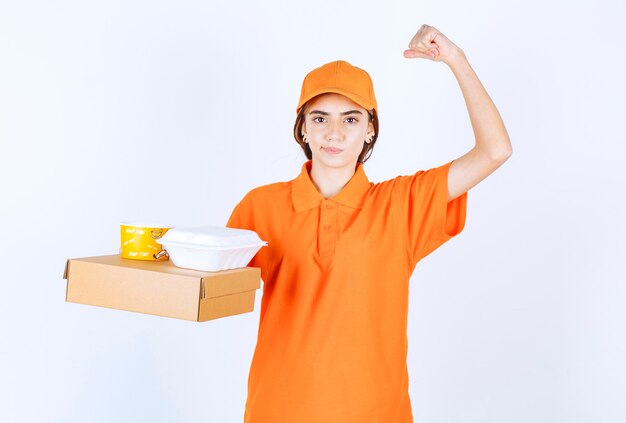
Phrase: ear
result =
(370, 133)
(303, 127)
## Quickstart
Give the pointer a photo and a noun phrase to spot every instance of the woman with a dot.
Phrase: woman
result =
(332, 339)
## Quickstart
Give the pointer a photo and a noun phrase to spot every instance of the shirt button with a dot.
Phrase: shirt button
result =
(329, 206)
(327, 227)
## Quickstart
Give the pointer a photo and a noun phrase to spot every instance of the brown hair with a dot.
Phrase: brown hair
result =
(367, 147)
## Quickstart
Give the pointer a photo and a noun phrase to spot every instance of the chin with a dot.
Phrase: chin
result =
(334, 162)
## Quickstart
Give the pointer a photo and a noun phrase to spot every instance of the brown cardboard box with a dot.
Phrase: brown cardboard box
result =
(160, 288)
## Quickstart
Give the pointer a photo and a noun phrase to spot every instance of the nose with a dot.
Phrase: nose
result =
(335, 132)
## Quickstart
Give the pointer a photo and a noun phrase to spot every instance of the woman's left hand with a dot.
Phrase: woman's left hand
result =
(429, 43)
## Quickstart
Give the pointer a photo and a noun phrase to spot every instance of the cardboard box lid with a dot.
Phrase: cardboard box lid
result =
(211, 284)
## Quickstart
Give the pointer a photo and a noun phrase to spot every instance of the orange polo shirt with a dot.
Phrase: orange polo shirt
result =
(332, 338)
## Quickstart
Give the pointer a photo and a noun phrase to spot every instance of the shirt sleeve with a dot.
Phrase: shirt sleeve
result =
(431, 219)
(242, 217)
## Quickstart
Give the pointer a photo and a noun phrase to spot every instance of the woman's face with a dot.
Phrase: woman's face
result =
(335, 129)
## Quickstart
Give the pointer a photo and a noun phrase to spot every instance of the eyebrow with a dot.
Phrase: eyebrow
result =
(349, 112)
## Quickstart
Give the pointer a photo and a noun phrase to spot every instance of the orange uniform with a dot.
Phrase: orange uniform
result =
(332, 339)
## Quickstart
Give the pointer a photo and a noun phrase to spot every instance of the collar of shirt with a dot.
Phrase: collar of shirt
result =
(305, 196)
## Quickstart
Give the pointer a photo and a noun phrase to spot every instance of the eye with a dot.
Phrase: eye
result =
(315, 119)
(352, 120)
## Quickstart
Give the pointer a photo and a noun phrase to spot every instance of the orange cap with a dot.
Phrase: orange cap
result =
(342, 78)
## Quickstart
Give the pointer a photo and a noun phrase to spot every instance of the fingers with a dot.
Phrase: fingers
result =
(412, 54)
(422, 44)
(423, 36)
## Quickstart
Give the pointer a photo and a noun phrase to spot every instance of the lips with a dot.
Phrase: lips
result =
(332, 150)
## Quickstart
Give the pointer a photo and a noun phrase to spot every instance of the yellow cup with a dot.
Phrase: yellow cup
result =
(139, 241)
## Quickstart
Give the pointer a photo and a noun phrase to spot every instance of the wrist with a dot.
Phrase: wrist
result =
(456, 57)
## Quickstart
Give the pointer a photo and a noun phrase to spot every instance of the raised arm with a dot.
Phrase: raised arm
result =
(492, 145)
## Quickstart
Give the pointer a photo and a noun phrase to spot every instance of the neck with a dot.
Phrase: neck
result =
(329, 181)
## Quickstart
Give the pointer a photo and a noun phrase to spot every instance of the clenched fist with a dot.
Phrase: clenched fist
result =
(429, 43)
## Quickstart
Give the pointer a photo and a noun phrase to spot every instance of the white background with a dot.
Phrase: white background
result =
(172, 111)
